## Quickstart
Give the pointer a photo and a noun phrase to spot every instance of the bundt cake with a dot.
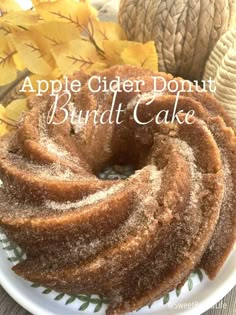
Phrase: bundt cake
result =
(130, 240)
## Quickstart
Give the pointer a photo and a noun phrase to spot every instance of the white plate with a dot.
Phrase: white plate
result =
(198, 294)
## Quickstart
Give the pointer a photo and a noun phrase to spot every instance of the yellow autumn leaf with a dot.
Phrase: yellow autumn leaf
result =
(101, 31)
(16, 20)
(18, 62)
(75, 55)
(51, 34)
(66, 11)
(11, 114)
(31, 53)
(16, 57)
(143, 55)
(8, 71)
(15, 109)
(92, 9)
(113, 50)
(22, 18)
(8, 6)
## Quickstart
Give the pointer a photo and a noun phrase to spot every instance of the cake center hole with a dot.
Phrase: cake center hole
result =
(116, 172)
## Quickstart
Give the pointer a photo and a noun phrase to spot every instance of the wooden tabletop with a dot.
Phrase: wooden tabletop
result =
(225, 307)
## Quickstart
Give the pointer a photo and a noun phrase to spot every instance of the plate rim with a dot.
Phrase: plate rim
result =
(204, 304)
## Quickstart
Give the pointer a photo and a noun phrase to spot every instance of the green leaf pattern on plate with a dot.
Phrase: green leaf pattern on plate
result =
(59, 297)
(166, 298)
(16, 255)
(178, 292)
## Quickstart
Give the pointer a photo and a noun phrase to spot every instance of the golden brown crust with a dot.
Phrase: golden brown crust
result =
(132, 240)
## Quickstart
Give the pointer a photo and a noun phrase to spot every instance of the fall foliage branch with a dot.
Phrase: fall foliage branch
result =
(87, 42)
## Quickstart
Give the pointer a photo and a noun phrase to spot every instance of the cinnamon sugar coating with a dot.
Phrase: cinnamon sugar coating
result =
(133, 240)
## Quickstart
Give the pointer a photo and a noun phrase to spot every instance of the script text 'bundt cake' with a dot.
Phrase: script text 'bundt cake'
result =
(130, 240)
